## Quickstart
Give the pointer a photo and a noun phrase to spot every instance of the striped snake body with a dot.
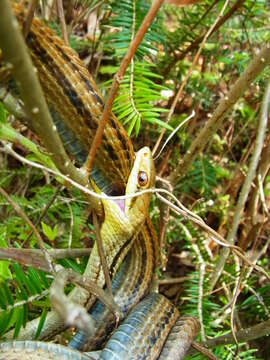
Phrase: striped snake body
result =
(76, 107)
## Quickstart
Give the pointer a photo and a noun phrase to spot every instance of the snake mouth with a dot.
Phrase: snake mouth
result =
(121, 204)
(118, 191)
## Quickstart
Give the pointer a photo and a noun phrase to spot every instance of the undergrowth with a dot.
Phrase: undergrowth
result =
(210, 188)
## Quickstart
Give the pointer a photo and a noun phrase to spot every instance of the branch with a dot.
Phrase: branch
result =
(262, 171)
(12, 105)
(61, 15)
(20, 212)
(244, 335)
(16, 55)
(256, 66)
(75, 314)
(35, 257)
(245, 188)
(196, 42)
(7, 133)
(29, 300)
(29, 18)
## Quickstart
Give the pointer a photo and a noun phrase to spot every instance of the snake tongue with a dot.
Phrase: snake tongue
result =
(121, 204)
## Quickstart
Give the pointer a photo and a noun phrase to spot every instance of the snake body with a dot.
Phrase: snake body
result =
(76, 106)
(141, 336)
(75, 101)
(129, 286)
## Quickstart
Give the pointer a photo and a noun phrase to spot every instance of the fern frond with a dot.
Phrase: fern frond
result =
(26, 286)
(139, 93)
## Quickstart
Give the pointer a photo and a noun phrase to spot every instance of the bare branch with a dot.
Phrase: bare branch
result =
(245, 188)
(15, 53)
(22, 214)
(256, 66)
(75, 314)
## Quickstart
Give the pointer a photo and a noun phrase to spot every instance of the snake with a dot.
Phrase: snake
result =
(138, 337)
(76, 106)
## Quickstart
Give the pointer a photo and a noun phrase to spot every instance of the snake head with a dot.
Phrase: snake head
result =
(130, 214)
(142, 177)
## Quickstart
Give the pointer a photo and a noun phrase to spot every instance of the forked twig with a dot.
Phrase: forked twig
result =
(75, 314)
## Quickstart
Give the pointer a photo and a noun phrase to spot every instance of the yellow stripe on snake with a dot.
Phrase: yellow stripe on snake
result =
(76, 106)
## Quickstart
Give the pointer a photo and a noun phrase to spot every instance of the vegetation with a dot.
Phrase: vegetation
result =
(207, 167)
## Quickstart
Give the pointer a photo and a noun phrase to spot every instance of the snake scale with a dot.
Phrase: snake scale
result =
(76, 106)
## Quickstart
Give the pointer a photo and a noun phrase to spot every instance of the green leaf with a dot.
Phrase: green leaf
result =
(41, 323)
(33, 275)
(20, 277)
(43, 278)
(5, 273)
(8, 293)
(2, 114)
(49, 232)
(4, 321)
(3, 299)
(131, 125)
(19, 316)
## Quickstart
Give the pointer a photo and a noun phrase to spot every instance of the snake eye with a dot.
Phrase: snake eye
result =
(142, 178)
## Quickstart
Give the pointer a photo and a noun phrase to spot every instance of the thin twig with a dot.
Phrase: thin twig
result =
(71, 225)
(47, 9)
(259, 255)
(249, 288)
(171, 135)
(101, 255)
(215, 236)
(248, 334)
(203, 350)
(201, 277)
(29, 18)
(246, 186)
(150, 16)
(261, 193)
(22, 214)
(236, 292)
(180, 56)
(43, 213)
(169, 281)
(61, 15)
(256, 66)
(162, 225)
(12, 105)
(132, 63)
